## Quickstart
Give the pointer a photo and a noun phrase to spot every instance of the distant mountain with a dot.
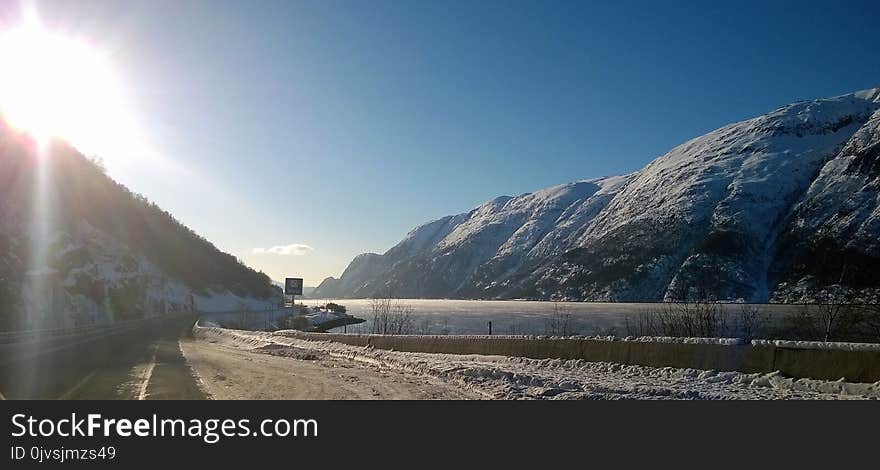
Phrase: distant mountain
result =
(78, 248)
(780, 207)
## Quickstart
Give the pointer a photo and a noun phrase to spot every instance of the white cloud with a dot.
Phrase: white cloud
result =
(295, 249)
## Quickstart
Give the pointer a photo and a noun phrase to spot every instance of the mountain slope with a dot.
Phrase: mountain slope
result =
(78, 248)
(833, 236)
(451, 255)
(717, 215)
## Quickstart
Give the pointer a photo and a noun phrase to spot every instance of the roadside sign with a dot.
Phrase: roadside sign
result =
(293, 286)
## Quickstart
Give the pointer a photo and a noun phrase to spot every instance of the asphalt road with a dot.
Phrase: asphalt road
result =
(131, 360)
(159, 359)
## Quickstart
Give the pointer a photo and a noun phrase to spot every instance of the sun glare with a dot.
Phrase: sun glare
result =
(52, 86)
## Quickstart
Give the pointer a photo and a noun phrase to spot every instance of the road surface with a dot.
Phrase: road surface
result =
(133, 360)
(167, 359)
(145, 361)
(228, 371)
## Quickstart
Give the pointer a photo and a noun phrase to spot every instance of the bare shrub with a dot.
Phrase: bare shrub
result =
(391, 317)
(242, 316)
(381, 311)
(692, 311)
(424, 326)
(518, 329)
(870, 327)
(604, 331)
(752, 322)
(445, 330)
(560, 322)
(832, 321)
(642, 325)
(701, 319)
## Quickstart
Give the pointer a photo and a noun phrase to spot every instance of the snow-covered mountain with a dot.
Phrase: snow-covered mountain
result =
(77, 248)
(778, 207)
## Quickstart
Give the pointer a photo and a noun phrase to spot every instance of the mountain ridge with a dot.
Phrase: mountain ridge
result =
(719, 209)
(78, 248)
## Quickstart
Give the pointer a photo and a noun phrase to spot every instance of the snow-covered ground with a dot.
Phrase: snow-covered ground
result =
(320, 317)
(499, 377)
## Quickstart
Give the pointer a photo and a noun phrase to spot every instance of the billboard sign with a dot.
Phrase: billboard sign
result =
(293, 286)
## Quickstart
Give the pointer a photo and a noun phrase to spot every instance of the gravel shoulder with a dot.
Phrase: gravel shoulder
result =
(233, 371)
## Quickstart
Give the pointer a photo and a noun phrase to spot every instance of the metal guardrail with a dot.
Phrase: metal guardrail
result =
(11, 337)
(54, 331)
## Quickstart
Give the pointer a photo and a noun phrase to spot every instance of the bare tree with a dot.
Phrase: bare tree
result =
(424, 326)
(516, 329)
(698, 317)
(391, 317)
(752, 322)
(381, 309)
(870, 327)
(445, 330)
(834, 319)
(402, 321)
(560, 322)
(242, 316)
(642, 324)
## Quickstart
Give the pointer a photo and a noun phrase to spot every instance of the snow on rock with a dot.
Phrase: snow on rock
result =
(834, 233)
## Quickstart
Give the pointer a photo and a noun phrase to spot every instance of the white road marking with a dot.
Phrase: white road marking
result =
(79, 385)
(201, 384)
(148, 374)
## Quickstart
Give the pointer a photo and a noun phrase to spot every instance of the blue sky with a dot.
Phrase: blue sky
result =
(341, 125)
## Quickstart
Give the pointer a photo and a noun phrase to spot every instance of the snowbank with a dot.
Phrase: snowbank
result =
(725, 354)
(674, 340)
(501, 377)
(829, 345)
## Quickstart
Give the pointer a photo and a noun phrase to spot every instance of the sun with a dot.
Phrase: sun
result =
(52, 86)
